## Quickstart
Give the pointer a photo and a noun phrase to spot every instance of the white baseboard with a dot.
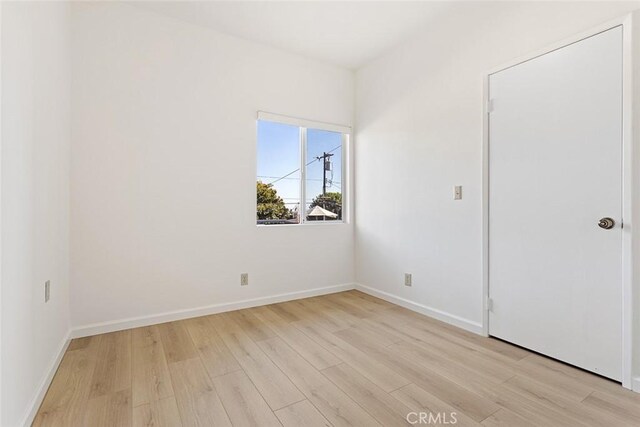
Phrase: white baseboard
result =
(35, 403)
(136, 322)
(423, 309)
(635, 384)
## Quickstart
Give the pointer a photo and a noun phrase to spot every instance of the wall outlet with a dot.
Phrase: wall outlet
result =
(47, 290)
(407, 279)
(457, 192)
(244, 279)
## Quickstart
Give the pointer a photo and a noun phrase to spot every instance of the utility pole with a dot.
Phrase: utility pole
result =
(325, 167)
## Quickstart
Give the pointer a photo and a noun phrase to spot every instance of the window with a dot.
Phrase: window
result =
(300, 171)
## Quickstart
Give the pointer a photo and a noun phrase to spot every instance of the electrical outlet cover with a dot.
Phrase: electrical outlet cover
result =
(407, 279)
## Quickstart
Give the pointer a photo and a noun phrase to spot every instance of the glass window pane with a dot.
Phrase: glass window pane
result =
(323, 183)
(278, 181)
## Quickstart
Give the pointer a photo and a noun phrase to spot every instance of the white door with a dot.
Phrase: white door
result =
(555, 170)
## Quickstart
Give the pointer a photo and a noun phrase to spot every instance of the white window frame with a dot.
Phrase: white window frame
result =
(303, 125)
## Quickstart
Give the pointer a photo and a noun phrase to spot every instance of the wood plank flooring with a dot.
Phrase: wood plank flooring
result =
(346, 359)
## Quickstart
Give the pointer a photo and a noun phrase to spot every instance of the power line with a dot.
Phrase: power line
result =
(295, 179)
(283, 177)
(279, 177)
(314, 160)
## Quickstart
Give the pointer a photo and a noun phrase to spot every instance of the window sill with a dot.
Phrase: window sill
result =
(304, 224)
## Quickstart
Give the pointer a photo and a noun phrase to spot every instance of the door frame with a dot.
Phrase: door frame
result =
(627, 181)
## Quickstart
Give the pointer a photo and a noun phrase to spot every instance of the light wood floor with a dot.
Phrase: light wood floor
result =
(345, 359)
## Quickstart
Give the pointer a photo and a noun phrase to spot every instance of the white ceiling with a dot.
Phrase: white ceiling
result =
(345, 33)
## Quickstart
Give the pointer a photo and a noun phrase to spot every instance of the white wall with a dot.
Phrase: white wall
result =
(636, 198)
(163, 167)
(35, 198)
(419, 133)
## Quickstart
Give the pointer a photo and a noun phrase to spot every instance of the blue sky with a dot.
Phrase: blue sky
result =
(279, 155)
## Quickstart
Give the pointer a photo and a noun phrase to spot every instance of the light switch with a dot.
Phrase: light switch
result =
(457, 192)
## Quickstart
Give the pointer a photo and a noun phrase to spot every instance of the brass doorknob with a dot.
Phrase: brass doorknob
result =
(606, 223)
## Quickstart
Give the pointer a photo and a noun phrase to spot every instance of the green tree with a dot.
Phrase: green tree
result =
(332, 202)
(270, 205)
